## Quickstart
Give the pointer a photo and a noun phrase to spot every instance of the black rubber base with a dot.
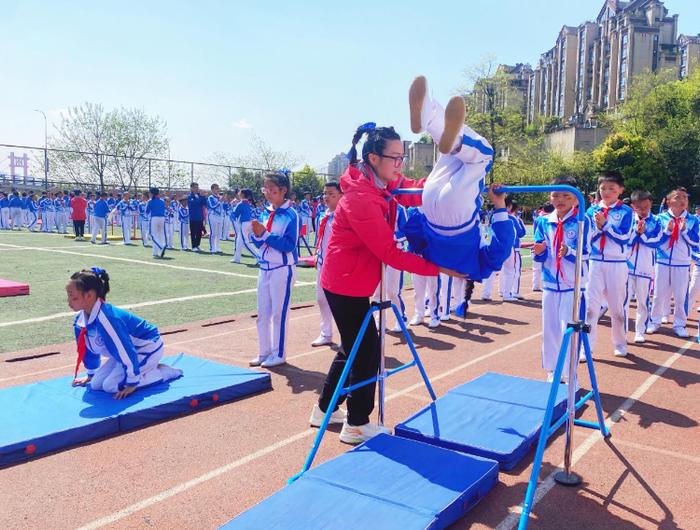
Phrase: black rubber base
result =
(567, 479)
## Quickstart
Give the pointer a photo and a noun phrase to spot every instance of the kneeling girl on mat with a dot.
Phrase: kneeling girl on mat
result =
(133, 347)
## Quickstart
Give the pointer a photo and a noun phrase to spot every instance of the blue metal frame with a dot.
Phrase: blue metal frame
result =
(341, 390)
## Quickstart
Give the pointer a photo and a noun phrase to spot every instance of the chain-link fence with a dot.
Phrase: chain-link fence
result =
(37, 168)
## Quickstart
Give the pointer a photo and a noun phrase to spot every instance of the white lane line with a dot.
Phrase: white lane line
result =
(511, 521)
(144, 304)
(138, 261)
(133, 508)
(658, 451)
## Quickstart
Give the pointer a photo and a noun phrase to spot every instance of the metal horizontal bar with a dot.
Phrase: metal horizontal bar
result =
(589, 424)
(400, 368)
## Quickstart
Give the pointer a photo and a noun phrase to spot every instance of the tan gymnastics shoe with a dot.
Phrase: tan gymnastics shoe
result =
(454, 121)
(416, 96)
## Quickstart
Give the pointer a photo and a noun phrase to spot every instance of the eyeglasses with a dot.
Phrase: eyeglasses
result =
(398, 160)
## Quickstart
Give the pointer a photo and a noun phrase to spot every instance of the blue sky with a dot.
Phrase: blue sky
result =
(301, 75)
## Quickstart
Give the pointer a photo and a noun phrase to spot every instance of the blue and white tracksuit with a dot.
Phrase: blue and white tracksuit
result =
(306, 209)
(607, 281)
(60, 216)
(155, 209)
(641, 263)
(512, 267)
(48, 223)
(90, 214)
(558, 279)
(67, 210)
(99, 220)
(183, 217)
(215, 220)
(672, 273)
(25, 210)
(242, 216)
(31, 214)
(393, 277)
(124, 209)
(226, 223)
(4, 213)
(16, 211)
(144, 222)
(132, 346)
(446, 229)
(277, 261)
(325, 309)
(170, 221)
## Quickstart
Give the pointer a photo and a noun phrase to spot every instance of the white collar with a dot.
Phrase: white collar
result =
(554, 218)
(93, 314)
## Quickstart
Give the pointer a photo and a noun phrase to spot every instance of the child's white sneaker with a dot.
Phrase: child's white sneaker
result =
(619, 353)
(652, 328)
(550, 376)
(681, 332)
(321, 341)
(317, 416)
(664, 320)
(352, 434)
(257, 361)
(396, 328)
(272, 361)
(434, 322)
(417, 320)
(639, 338)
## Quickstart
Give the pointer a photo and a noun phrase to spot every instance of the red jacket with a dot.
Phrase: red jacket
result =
(79, 205)
(363, 238)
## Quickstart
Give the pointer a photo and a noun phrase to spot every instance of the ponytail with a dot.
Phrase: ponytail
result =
(94, 279)
(377, 138)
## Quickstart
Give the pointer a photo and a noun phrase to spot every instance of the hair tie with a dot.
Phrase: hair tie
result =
(366, 127)
(97, 271)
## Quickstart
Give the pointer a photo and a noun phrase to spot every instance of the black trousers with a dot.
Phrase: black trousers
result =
(348, 313)
(196, 229)
(79, 228)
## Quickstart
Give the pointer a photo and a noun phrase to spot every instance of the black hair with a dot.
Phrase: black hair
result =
(24, 194)
(676, 189)
(281, 180)
(247, 193)
(508, 201)
(548, 208)
(641, 195)
(612, 175)
(376, 141)
(154, 190)
(333, 184)
(564, 180)
(102, 194)
(94, 279)
(194, 184)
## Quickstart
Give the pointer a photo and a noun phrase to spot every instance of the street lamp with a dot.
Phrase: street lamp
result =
(46, 149)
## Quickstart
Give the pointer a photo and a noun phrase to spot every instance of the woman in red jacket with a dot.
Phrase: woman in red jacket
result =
(362, 239)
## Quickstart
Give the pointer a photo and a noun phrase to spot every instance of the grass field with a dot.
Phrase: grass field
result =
(45, 261)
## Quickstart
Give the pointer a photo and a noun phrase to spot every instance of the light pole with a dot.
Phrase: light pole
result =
(46, 149)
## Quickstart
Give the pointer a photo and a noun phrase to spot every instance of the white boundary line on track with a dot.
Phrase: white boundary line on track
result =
(511, 521)
(138, 261)
(136, 507)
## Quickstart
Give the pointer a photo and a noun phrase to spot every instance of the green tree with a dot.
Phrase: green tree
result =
(307, 181)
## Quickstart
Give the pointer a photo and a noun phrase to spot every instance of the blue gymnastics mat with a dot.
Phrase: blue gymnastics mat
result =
(42, 417)
(495, 416)
(387, 482)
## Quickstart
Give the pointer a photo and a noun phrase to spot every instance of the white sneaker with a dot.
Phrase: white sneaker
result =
(510, 299)
(445, 318)
(639, 338)
(272, 361)
(652, 328)
(234, 260)
(550, 376)
(351, 434)
(395, 329)
(417, 320)
(168, 373)
(581, 357)
(664, 320)
(697, 309)
(681, 332)
(619, 353)
(434, 322)
(257, 361)
(321, 341)
(317, 416)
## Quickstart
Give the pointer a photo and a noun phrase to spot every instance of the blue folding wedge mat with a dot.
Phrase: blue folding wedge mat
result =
(495, 416)
(387, 482)
(50, 415)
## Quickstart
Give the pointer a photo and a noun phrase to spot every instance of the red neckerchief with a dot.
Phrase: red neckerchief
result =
(269, 221)
(675, 232)
(606, 210)
(559, 240)
(321, 230)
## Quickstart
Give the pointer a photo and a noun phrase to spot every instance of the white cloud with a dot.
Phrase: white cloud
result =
(243, 123)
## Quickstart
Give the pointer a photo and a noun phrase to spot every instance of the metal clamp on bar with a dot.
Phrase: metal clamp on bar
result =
(580, 326)
(384, 304)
